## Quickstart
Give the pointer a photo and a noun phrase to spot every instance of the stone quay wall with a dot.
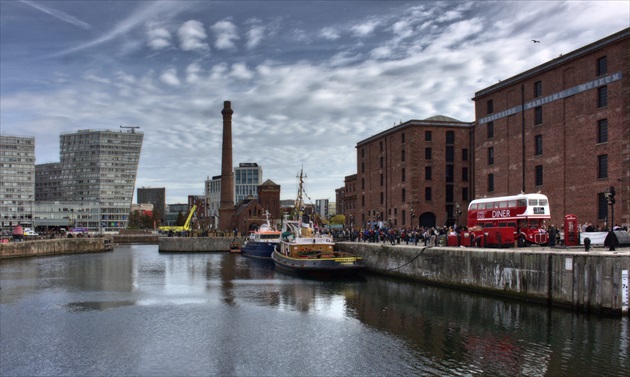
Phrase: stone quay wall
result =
(136, 239)
(195, 244)
(587, 281)
(55, 247)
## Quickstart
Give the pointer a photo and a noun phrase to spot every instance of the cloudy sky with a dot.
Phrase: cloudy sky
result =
(307, 79)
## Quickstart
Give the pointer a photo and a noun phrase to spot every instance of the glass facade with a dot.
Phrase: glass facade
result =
(247, 178)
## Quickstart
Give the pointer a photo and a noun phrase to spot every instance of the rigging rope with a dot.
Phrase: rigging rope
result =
(411, 260)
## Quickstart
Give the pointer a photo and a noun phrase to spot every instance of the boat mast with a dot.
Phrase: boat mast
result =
(299, 202)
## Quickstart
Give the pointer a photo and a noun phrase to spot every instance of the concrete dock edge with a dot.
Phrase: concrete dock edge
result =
(586, 281)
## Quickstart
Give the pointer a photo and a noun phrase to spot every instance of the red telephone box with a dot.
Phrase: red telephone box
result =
(571, 231)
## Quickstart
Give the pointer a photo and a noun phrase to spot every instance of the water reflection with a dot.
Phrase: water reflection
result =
(139, 312)
(97, 305)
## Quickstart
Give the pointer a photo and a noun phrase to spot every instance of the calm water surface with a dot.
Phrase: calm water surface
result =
(138, 312)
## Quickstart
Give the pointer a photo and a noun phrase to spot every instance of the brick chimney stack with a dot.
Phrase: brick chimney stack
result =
(226, 209)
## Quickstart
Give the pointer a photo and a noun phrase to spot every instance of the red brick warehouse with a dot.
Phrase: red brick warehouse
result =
(572, 141)
(414, 174)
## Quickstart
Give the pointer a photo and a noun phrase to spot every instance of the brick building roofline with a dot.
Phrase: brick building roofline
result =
(623, 34)
(269, 182)
(413, 122)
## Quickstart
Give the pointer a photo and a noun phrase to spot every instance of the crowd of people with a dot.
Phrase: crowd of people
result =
(435, 236)
(427, 236)
(589, 227)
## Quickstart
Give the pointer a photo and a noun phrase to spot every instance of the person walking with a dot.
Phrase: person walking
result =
(552, 236)
(18, 233)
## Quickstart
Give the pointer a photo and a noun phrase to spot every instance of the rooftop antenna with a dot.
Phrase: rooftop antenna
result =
(133, 129)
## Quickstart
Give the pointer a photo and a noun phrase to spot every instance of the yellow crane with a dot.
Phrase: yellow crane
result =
(185, 227)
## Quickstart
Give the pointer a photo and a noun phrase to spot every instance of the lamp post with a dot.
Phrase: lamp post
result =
(610, 195)
(611, 202)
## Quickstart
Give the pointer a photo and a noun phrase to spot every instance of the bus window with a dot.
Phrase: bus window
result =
(481, 206)
(542, 202)
(534, 224)
(473, 206)
(511, 225)
(503, 204)
(487, 225)
(502, 225)
(512, 203)
(522, 203)
(533, 202)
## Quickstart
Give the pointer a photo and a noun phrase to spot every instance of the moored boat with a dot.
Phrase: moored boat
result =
(261, 242)
(303, 250)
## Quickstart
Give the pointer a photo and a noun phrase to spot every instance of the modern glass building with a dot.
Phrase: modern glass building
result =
(17, 181)
(247, 178)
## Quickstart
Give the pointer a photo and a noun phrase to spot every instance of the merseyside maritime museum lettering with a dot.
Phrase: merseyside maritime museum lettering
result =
(554, 97)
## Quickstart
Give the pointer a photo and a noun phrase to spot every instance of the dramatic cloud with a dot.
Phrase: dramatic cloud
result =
(366, 28)
(305, 86)
(240, 71)
(158, 37)
(192, 36)
(169, 77)
(192, 73)
(226, 33)
(255, 35)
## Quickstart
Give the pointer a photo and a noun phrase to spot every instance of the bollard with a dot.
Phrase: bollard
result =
(587, 244)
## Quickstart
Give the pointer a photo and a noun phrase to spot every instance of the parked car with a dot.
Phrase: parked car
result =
(28, 232)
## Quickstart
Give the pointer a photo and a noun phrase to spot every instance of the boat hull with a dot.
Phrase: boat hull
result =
(258, 250)
(342, 265)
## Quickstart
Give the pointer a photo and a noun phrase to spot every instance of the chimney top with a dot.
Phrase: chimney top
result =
(227, 108)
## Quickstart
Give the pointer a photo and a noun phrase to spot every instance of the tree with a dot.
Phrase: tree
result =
(139, 220)
(180, 219)
(338, 219)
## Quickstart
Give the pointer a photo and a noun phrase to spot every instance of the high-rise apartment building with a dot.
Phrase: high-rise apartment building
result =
(17, 180)
(96, 166)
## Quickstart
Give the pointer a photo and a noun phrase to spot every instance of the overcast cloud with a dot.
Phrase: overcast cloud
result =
(307, 80)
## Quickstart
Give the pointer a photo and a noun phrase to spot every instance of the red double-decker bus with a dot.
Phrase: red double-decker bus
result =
(523, 214)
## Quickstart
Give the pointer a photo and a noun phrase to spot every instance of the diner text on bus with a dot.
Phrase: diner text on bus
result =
(495, 214)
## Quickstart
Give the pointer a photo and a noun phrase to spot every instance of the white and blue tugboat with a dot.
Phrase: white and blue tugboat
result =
(261, 242)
